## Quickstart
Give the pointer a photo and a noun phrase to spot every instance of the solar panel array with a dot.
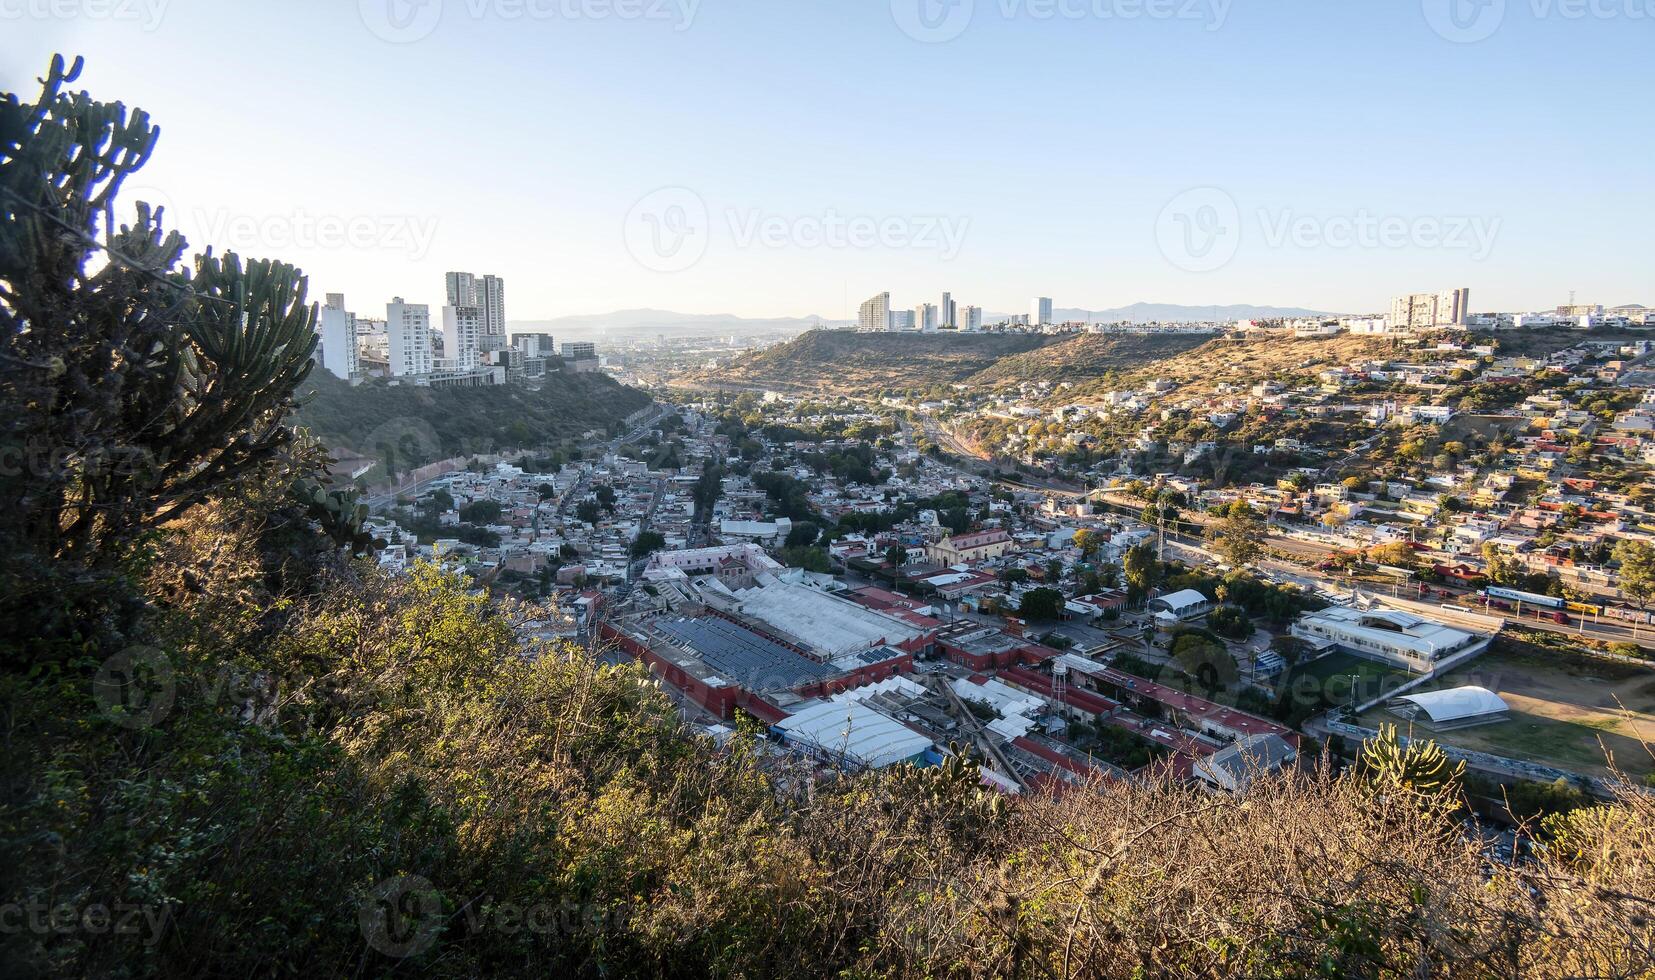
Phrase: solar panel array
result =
(754, 662)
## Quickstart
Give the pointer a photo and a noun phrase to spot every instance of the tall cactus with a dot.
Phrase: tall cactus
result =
(133, 388)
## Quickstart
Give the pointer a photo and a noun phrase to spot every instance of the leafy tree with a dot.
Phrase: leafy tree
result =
(588, 511)
(896, 556)
(1041, 605)
(1230, 621)
(1206, 660)
(1142, 569)
(1088, 540)
(1291, 648)
(809, 559)
(441, 500)
(803, 535)
(480, 512)
(647, 543)
(1637, 570)
(1398, 554)
(1239, 536)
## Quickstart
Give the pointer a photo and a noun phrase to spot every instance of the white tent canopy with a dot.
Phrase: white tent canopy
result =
(1455, 707)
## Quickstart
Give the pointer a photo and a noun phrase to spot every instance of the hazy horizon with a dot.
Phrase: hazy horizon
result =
(748, 159)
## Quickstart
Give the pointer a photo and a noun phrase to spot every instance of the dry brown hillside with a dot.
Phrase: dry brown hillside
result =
(842, 362)
(1248, 361)
(846, 363)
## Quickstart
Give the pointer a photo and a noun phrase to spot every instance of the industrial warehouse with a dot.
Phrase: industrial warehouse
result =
(860, 677)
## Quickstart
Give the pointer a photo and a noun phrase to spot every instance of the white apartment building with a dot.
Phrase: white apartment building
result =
(462, 332)
(408, 337)
(971, 319)
(902, 320)
(1427, 311)
(491, 300)
(875, 314)
(337, 351)
(534, 344)
(488, 294)
(1040, 311)
(946, 311)
(925, 318)
(460, 289)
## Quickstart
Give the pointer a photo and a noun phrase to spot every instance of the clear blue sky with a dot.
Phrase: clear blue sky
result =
(522, 146)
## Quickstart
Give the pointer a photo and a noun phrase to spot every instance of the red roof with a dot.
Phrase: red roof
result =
(1228, 718)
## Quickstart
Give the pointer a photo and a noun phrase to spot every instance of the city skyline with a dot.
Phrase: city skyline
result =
(1167, 158)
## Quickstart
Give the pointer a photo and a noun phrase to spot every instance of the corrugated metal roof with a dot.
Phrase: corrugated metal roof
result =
(757, 663)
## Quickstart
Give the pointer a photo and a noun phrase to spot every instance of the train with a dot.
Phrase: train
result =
(1559, 607)
(1532, 598)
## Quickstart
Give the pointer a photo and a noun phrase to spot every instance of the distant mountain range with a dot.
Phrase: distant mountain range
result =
(642, 323)
(1168, 313)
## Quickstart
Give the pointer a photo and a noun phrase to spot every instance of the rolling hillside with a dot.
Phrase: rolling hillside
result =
(847, 363)
(844, 362)
(1086, 357)
(451, 421)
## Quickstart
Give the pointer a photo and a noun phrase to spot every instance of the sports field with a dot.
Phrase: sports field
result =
(1565, 712)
